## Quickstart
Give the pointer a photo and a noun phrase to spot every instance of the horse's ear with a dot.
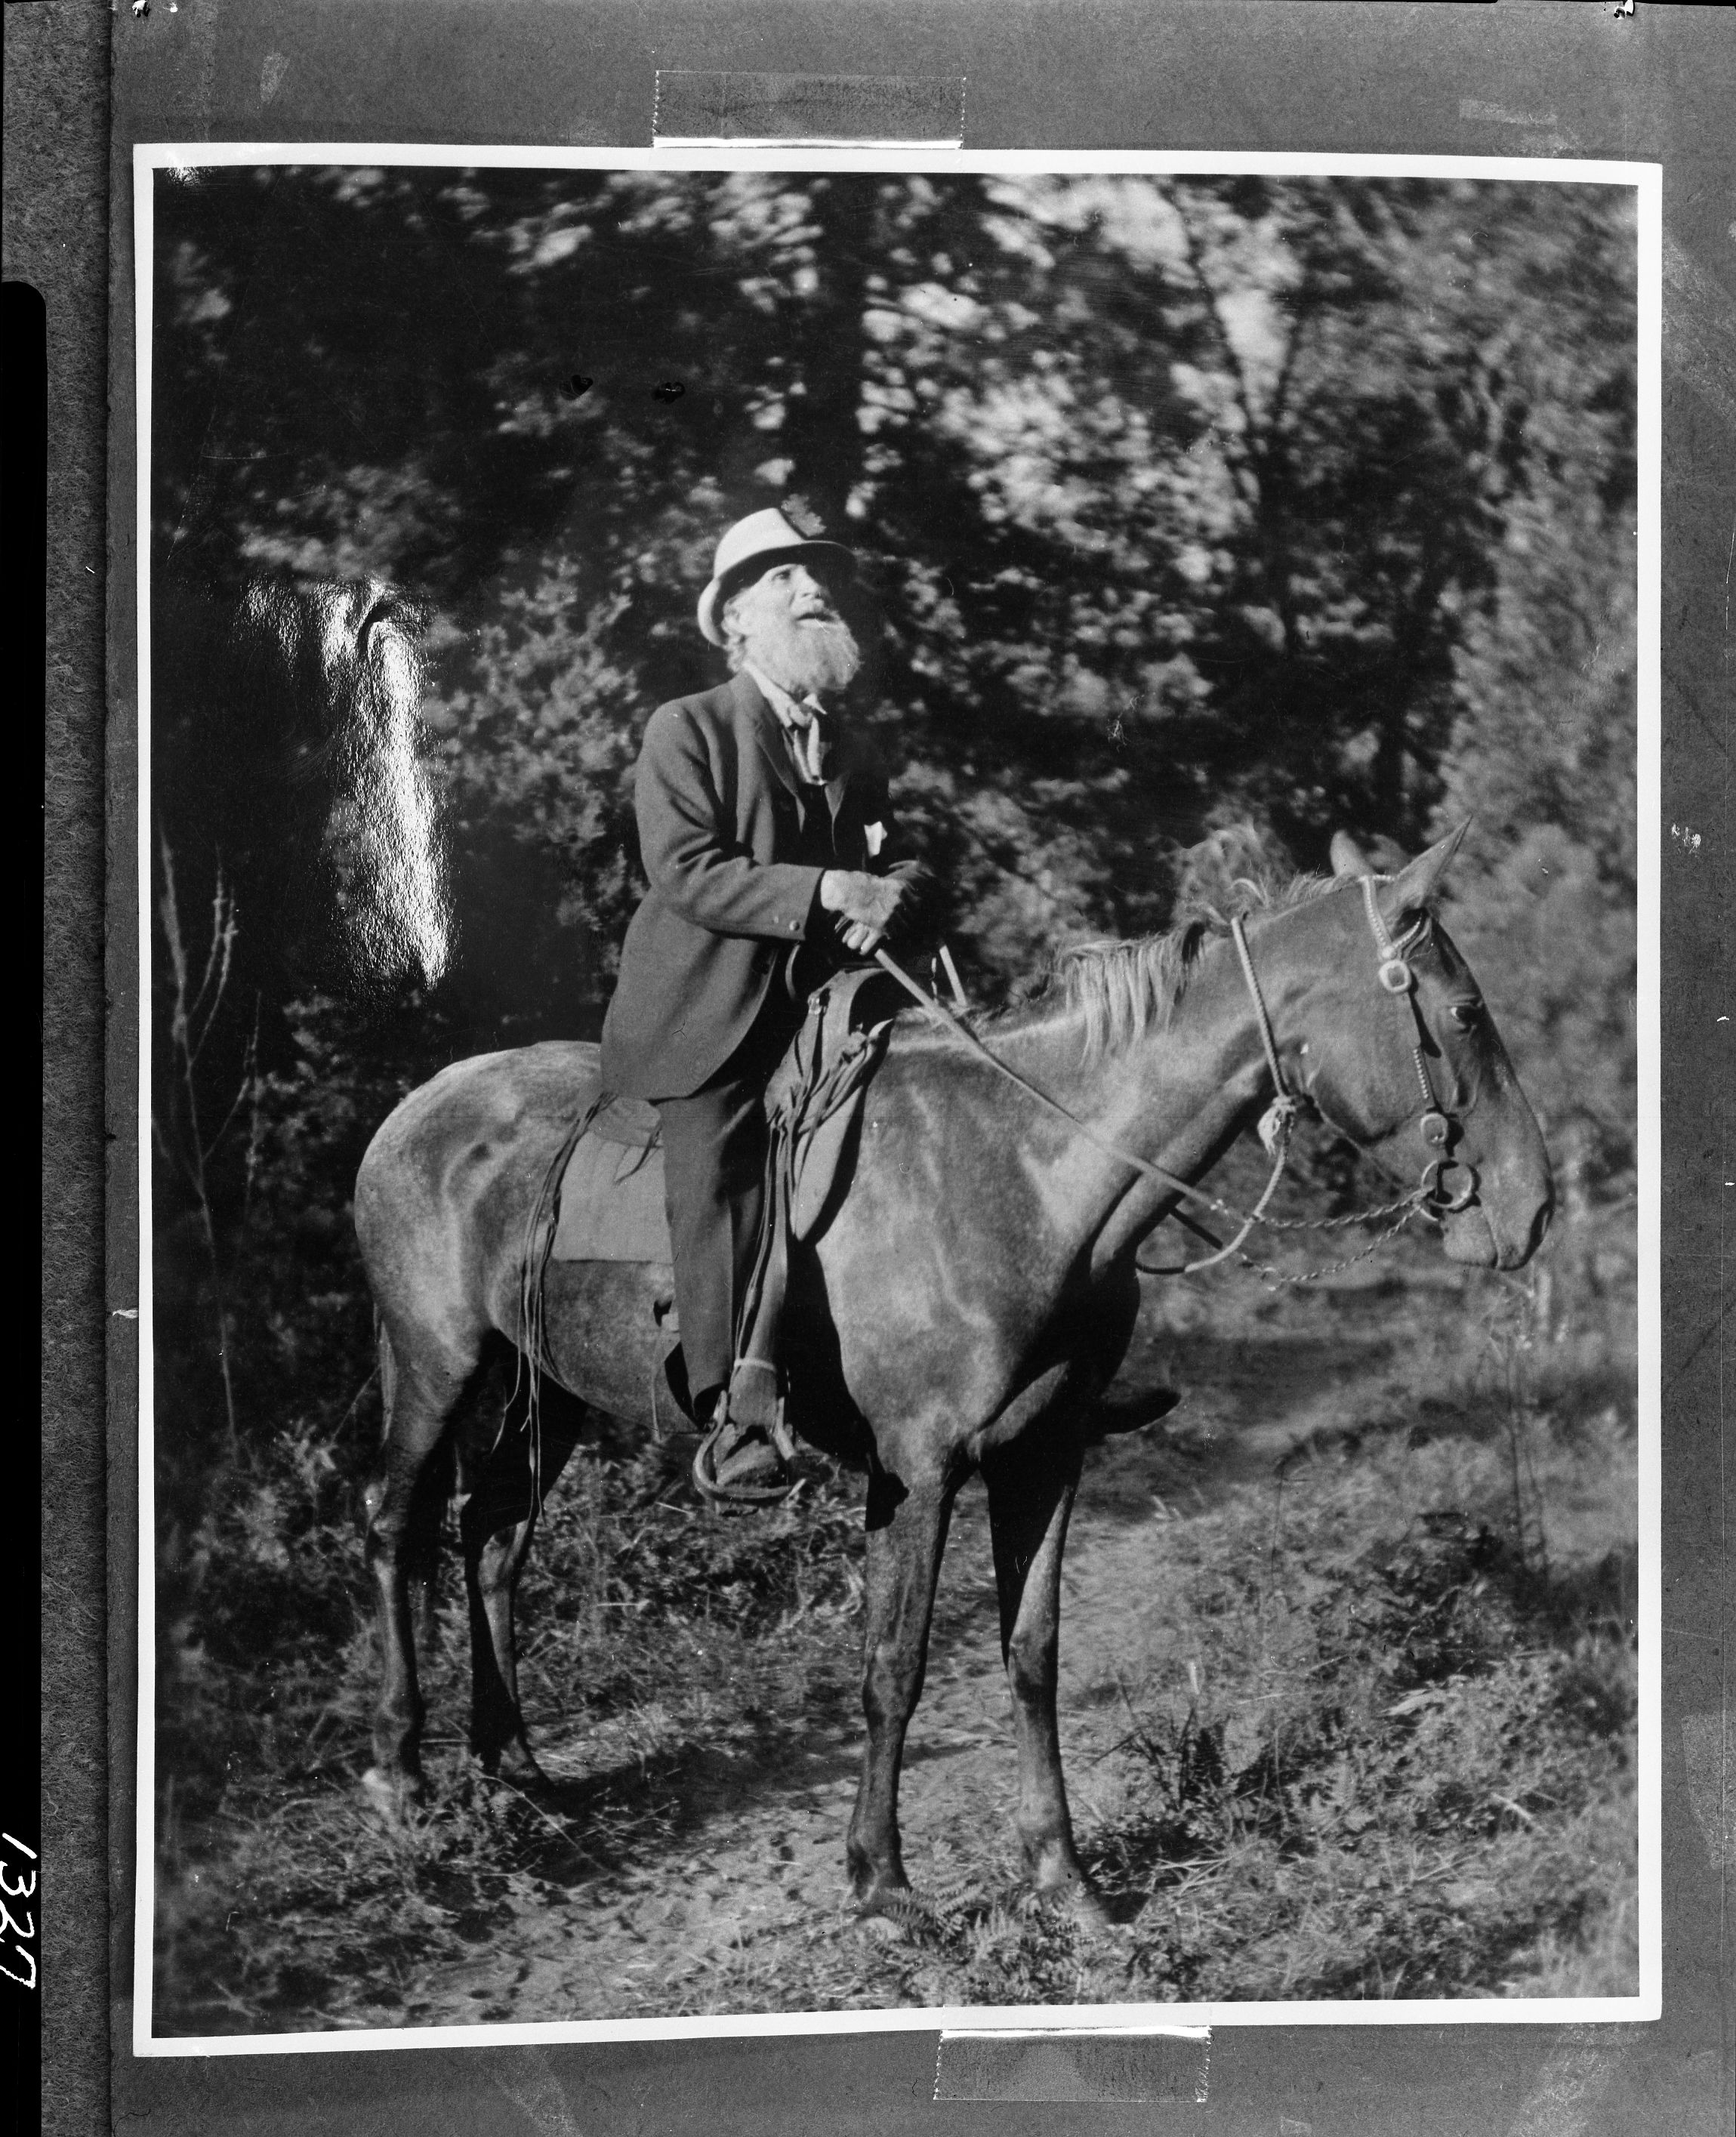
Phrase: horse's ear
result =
(1348, 858)
(1415, 886)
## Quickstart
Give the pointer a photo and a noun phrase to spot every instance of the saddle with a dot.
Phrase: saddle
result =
(604, 1199)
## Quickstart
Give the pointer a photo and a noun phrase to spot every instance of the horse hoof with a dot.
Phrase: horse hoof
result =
(515, 1765)
(885, 1911)
(1089, 1912)
(880, 1928)
(392, 1798)
(1055, 1878)
(886, 1906)
(1074, 1896)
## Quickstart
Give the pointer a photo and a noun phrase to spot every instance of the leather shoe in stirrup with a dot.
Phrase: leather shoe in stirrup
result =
(745, 1456)
(738, 1464)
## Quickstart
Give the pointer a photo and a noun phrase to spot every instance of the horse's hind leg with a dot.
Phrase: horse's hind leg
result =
(1030, 1497)
(906, 1534)
(419, 1550)
(496, 1523)
(424, 1384)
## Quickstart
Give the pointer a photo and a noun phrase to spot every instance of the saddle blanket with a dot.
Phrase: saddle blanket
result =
(611, 1193)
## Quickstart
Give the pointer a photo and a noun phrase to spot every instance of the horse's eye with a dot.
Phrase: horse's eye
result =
(1464, 1014)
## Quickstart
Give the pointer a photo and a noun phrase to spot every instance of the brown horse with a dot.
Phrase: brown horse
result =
(971, 1297)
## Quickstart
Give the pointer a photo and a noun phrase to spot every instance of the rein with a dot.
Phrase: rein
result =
(954, 1025)
(1436, 1126)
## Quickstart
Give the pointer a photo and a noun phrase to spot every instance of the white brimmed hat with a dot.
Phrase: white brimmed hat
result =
(749, 546)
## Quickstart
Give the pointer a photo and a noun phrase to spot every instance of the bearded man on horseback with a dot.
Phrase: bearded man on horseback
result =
(765, 834)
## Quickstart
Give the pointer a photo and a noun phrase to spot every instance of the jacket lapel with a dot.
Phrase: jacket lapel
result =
(767, 733)
(848, 759)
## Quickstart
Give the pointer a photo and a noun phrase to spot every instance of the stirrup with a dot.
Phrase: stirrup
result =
(744, 1459)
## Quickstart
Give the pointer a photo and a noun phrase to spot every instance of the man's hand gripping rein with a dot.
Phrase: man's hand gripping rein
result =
(870, 907)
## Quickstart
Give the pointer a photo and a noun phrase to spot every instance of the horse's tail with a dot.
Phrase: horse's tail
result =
(397, 847)
(350, 655)
(531, 1361)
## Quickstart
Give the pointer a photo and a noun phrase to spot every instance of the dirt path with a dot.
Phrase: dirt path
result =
(738, 1903)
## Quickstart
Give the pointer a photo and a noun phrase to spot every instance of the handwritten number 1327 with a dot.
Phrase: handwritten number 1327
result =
(24, 1890)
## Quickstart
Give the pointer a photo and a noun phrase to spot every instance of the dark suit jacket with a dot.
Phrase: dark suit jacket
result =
(734, 845)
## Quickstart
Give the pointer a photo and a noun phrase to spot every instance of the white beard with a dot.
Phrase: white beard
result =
(800, 657)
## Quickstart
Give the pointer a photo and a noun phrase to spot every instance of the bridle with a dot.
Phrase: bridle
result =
(1438, 1127)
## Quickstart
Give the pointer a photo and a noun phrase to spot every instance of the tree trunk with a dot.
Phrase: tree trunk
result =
(821, 434)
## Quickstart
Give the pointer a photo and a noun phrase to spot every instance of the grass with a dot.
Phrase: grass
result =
(1397, 1761)
(1397, 1755)
(1359, 1725)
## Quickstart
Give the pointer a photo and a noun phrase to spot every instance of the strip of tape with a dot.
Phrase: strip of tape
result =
(693, 110)
(1171, 2064)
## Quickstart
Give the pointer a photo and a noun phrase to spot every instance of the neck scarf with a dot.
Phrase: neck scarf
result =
(805, 724)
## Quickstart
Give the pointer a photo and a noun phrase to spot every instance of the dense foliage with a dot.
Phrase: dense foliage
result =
(1188, 502)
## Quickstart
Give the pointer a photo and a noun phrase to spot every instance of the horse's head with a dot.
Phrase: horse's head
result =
(1400, 1052)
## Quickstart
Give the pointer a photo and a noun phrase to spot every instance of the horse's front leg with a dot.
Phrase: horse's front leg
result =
(1031, 1491)
(906, 1534)
(496, 1523)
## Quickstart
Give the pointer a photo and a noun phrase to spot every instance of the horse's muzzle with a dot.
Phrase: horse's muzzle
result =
(1472, 1236)
(1469, 1240)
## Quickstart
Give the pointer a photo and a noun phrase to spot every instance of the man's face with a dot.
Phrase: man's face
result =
(791, 628)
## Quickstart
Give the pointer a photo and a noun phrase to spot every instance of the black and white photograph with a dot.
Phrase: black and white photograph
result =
(898, 1083)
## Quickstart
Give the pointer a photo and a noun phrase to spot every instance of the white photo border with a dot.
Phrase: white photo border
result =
(1185, 2020)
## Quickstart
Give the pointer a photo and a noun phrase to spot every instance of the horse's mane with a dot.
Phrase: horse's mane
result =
(1124, 989)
